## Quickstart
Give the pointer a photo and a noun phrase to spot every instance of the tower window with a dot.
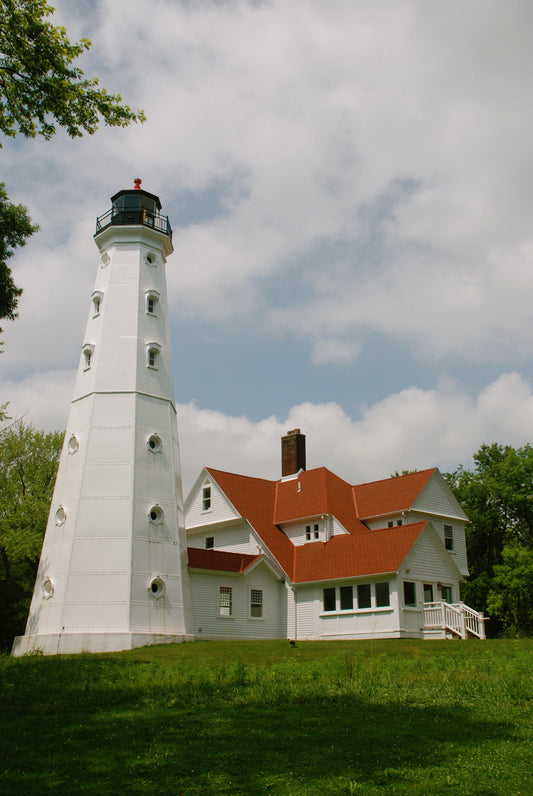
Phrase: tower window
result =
(156, 515)
(152, 298)
(87, 356)
(61, 516)
(97, 298)
(152, 355)
(156, 587)
(154, 443)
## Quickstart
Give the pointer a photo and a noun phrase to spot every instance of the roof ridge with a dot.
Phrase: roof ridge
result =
(396, 477)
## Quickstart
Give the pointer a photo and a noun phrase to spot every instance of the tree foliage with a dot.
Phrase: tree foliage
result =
(497, 496)
(28, 467)
(42, 89)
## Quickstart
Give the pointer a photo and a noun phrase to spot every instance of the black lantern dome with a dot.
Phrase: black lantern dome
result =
(132, 207)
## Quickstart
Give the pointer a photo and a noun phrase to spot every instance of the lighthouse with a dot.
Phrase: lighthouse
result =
(113, 569)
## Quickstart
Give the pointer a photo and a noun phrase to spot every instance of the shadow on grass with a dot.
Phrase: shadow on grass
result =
(96, 735)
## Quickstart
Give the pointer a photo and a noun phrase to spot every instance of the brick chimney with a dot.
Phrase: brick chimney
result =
(292, 452)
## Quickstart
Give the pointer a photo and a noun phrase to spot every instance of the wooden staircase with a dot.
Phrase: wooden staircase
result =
(452, 620)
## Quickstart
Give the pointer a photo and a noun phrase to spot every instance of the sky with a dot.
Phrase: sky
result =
(350, 186)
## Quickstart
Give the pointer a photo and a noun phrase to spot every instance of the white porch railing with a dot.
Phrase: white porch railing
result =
(457, 619)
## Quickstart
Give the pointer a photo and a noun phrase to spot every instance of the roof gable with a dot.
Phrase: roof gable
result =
(437, 497)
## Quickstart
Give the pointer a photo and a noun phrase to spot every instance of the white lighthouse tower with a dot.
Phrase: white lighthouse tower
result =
(113, 570)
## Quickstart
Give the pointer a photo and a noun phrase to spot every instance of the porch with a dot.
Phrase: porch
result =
(452, 620)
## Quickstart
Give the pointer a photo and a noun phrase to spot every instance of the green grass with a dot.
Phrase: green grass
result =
(382, 717)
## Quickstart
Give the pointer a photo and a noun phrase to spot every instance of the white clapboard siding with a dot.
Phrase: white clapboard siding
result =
(426, 562)
(437, 498)
(458, 554)
(307, 605)
(220, 510)
(207, 622)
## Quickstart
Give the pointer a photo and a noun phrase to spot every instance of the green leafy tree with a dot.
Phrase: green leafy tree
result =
(28, 467)
(497, 496)
(511, 593)
(41, 89)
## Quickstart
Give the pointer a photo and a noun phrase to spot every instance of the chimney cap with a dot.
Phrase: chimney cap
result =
(294, 431)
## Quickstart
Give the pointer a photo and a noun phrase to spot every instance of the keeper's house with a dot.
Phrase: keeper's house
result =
(310, 556)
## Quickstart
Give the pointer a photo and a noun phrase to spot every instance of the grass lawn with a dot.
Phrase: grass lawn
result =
(363, 717)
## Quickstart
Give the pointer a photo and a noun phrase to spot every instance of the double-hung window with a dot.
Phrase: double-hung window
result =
(256, 603)
(225, 604)
(364, 599)
(448, 537)
(409, 593)
(382, 594)
(206, 498)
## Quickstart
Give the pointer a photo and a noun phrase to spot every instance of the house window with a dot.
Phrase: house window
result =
(363, 596)
(409, 592)
(346, 598)
(206, 498)
(448, 537)
(256, 602)
(329, 599)
(382, 594)
(390, 524)
(225, 601)
(446, 593)
(316, 531)
(428, 592)
(312, 532)
(307, 533)
(209, 542)
(399, 522)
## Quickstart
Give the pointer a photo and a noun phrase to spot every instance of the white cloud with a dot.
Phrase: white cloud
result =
(411, 429)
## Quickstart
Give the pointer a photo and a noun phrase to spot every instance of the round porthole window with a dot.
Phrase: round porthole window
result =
(104, 259)
(73, 444)
(150, 258)
(157, 587)
(48, 589)
(156, 515)
(154, 443)
(61, 516)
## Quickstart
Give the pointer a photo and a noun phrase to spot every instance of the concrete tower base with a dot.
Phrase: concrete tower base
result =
(74, 643)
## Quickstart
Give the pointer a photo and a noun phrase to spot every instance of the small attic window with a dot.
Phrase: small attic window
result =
(152, 299)
(209, 542)
(206, 498)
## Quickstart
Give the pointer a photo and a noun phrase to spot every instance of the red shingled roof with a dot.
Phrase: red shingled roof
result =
(219, 560)
(391, 494)
(268, 504)
(369, 553)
